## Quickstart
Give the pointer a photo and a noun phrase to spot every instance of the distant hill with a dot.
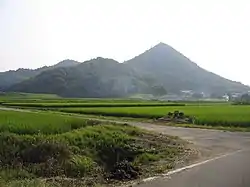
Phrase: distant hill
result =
(159, 70)
(65, 63)
(10, 78)
(95, 78)
(176, 72)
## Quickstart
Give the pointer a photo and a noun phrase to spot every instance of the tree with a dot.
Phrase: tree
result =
(230, 97)
(197, 95)
(158, 90)
(245, 98)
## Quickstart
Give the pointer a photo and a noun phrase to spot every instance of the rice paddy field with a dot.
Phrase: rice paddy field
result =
(50, 98)
(35, 123)
(85, 105)
(47, 139)
(205, 113)
(215, 115)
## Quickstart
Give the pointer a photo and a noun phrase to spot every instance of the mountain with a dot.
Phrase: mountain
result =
(94, 78)
(10, 78)
(176, 72)
(155, 71)
(64, 64)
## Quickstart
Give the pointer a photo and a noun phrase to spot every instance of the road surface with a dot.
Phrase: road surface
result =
(229, 171)
(225, 158)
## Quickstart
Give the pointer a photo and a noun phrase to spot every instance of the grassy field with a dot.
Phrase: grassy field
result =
(38, 147)
(215, 115)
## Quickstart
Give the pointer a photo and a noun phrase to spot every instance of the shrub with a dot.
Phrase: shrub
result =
(87, 151)
(79, 166)
(19, 174)
(44, 151)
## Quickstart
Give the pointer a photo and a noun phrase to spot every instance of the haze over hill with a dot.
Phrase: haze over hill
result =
(215, 34)
(11, 77)
(159, 70)
(176, 72)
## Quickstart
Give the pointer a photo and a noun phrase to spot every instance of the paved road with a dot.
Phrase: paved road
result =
(211, 142)
(229, 171)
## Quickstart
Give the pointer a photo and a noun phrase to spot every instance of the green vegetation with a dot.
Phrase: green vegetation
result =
(10, 78)
(73, 100)
(22, 99)
(46, 98)
(111, 78)
(37, 123)
(208, 114)
(217, 115)
(37, 147)
(243, 100)
(15, 96)
(116, 104)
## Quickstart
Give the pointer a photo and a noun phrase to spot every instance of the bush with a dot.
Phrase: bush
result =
(107, 150)
(44, 151)
(19, 174)
(79, 166)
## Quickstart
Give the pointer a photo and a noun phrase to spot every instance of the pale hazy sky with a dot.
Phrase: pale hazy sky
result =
(213, 33)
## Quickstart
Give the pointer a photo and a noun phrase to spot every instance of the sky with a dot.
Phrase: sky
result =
(215, 34)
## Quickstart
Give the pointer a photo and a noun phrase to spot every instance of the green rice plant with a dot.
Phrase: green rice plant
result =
(216, 115)
(23, 99)
(88, 105)
(39, 123)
